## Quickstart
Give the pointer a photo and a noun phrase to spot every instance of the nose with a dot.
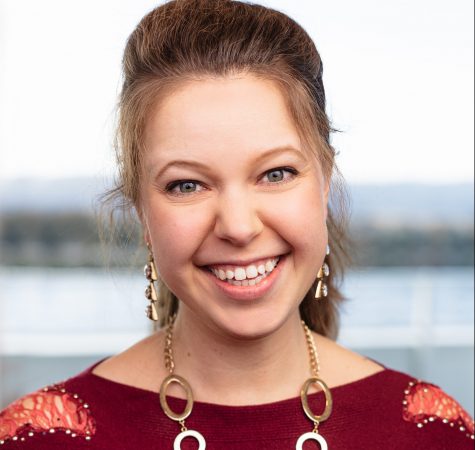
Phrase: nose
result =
(237, 218)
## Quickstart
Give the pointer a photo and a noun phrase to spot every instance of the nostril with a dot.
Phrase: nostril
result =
(236, 226)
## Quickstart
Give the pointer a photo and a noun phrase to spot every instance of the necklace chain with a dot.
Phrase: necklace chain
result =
(169, 361)
(312, 350)
(180, 418)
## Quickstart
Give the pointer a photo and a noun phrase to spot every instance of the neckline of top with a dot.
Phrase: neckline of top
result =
(335, 389)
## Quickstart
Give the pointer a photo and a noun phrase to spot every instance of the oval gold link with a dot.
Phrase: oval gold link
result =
(163, 398)
(328, 400)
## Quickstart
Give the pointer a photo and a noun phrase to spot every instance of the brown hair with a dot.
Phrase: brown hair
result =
(193, 39)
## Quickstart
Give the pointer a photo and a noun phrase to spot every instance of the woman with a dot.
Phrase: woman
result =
(224, 153)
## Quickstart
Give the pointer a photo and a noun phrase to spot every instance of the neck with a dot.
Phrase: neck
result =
(226, 370)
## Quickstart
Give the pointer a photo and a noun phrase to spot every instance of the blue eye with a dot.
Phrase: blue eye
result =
(275, 175)
(187, 186)
(280, 175)
(182, 187)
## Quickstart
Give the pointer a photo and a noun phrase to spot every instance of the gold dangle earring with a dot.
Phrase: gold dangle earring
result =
(323, 273)
(150, 272)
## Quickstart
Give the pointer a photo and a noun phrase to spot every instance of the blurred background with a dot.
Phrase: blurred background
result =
(399, 81)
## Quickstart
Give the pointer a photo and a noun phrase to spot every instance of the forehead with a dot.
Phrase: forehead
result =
(228, 114)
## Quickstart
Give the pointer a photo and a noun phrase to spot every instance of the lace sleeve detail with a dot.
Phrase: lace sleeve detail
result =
(45, 411)
(424, 403)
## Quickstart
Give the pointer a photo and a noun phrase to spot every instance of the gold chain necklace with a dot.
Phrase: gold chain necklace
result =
(180, 418)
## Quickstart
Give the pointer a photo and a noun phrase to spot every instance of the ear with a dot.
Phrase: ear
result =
(143, 222)
(326, 190)
(326, 195)
(146, 233)
(146, 237)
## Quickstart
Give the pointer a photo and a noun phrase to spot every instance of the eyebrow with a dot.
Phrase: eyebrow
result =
(182, 163)
(278, 150)
(203, 167)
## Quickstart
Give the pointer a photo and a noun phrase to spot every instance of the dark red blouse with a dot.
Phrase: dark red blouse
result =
(388, 410)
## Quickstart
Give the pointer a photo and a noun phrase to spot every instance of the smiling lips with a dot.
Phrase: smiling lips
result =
(245, 276)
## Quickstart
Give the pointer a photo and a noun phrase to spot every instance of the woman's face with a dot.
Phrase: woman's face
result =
(233, 206)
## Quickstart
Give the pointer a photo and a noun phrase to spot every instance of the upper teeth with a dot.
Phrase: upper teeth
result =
(250, 272)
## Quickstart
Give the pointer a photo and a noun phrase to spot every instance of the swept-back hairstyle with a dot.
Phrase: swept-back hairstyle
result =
(184, 40)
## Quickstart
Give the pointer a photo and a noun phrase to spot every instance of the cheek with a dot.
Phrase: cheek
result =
(300, 218)
(176, 233)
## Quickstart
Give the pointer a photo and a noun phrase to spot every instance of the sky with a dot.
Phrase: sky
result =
(398, 74)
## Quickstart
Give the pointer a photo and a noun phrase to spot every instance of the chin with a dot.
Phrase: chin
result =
(250, 326)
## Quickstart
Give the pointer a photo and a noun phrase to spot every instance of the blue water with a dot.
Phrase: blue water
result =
(96, 300)
(392, 296)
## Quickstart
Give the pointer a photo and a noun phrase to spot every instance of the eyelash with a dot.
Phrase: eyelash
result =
(293, 172)
(174, 184)
(171, 186)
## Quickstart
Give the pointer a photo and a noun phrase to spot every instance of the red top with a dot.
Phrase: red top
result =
(387, 410)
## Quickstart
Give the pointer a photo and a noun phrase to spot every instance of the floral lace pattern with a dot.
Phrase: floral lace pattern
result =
(46, 411)
(425, 402)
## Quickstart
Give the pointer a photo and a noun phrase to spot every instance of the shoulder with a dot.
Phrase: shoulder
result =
(410, 412)
(61, 415)
(427, 406)
(58, 409)
(86, 411)
(411, 409)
